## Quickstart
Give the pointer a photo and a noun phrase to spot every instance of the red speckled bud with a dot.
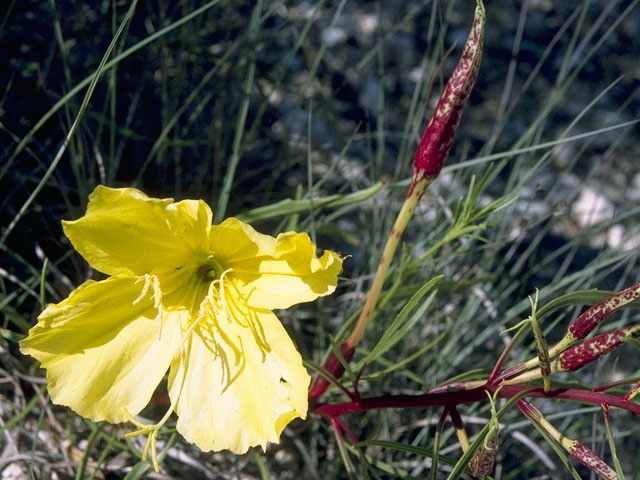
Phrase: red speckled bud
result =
(437, 139)
(587, 457)
(576, 449)
(590, 318)
(579, 355)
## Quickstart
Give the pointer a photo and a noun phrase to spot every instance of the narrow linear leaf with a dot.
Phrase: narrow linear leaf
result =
(606, 413)
(290, 206)
(398, 328)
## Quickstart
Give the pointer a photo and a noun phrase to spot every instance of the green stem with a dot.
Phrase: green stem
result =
(408, 207)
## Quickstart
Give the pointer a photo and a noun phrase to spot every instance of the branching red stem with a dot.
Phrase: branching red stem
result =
(452, 399)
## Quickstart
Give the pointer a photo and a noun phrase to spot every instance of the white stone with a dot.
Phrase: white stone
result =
(592, 208)
(334, 36)
(13, 471)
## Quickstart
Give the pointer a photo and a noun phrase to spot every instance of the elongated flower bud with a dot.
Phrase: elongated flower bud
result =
(576, 449)
(586, 352)
(437, 139)
(586, 322)
(484, 458)
(541, 345)
(588, 458)
(593, 316)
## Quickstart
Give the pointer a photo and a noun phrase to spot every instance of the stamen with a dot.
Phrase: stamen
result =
(223, 300)
(145, 288)
(152, 430)
(193, 326)
(241, 308)
(153, 282)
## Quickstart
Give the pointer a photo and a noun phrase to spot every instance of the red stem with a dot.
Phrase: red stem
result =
(452, 399)
(335, 367)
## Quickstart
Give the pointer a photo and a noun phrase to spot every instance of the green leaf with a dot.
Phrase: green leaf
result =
(290, 206)
(393, 366)
(397, 472)
(399, 328)
(635, 343)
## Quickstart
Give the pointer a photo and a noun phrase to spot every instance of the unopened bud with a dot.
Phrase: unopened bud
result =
(593, 316)
(484, 458)
(576, 449)
(541, 345)
(588, 351)
(437, 139)
(592, 461)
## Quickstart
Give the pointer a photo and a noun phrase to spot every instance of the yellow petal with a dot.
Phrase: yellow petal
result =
(238, 383)
(274, 272)
(101, 351)
(125, 232)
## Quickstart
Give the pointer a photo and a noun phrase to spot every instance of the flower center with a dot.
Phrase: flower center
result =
(209, 271)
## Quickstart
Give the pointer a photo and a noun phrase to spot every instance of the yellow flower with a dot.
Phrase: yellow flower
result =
(190, 298)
